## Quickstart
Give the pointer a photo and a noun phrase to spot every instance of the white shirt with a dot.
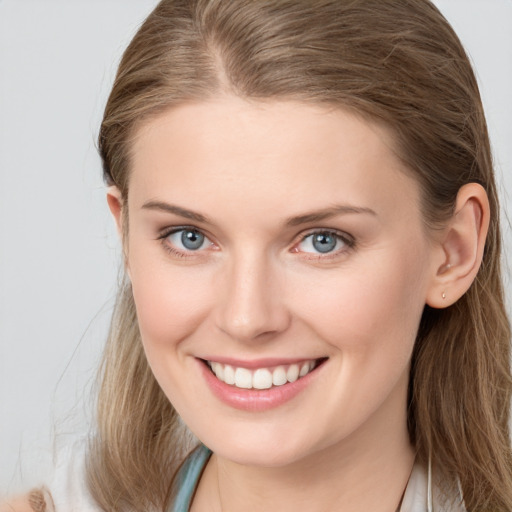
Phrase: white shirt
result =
(69, 492)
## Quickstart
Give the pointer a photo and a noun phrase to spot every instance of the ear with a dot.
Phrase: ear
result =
(461, 247)
(115, 204)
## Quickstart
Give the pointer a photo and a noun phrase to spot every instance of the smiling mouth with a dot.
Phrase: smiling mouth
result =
(263, 378)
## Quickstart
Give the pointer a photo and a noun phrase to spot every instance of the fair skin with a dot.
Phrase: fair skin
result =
(20, 504)
(250, 288)
(229, 265)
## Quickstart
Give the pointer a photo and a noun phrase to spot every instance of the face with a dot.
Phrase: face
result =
(280, 268)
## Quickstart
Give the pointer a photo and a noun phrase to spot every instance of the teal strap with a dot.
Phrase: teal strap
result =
(188, 478)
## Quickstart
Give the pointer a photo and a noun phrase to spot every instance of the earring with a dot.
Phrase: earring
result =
(443, 295)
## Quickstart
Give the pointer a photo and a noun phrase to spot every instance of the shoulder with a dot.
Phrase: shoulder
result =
(65, 491)
(68, 488)
(37, 500)
(20, 504)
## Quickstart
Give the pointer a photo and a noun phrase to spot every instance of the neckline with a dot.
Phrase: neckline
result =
(418, 494)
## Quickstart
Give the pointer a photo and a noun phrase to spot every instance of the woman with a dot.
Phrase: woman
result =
(309, 217)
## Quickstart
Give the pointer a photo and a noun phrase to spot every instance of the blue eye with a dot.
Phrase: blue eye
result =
(188, 240)
(322, 242)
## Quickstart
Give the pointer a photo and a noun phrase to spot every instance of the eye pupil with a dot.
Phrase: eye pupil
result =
(324, 242)
(192, 240)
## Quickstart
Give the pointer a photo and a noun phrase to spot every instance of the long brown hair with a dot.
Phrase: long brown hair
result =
(397, 62)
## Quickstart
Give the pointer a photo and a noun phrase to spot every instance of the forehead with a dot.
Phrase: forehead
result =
(282, 155)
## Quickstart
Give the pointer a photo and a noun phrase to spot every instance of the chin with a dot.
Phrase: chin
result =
(260, 450)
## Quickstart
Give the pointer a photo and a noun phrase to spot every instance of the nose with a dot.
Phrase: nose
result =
(251, 306)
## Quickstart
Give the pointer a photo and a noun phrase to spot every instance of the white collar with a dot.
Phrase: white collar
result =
(422, 496)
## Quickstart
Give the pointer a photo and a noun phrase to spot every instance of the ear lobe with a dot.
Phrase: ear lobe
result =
(462, 246)
(115, 204)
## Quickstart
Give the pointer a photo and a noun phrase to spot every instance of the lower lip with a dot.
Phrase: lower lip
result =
(256, 400)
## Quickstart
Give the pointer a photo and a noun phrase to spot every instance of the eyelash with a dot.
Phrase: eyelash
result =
(348, 241)
(176, 252)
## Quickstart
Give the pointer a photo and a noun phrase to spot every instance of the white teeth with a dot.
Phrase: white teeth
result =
(261, 378)
(218, 369)
(293, 372)
(279, 376)
(243, 378)
(229, 375)
(304, 369)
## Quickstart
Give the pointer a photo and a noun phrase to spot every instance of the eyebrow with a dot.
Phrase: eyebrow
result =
(297, 220)
(328, 213)
(177, 210)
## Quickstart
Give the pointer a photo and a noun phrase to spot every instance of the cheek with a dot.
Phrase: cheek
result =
(170, 300)
(374, 304)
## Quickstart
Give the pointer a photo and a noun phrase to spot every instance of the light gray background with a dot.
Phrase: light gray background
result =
(58, 248)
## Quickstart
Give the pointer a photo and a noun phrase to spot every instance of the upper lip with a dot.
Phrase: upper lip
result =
(260, 363)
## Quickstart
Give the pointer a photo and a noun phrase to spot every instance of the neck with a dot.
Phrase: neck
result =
(369, 470)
